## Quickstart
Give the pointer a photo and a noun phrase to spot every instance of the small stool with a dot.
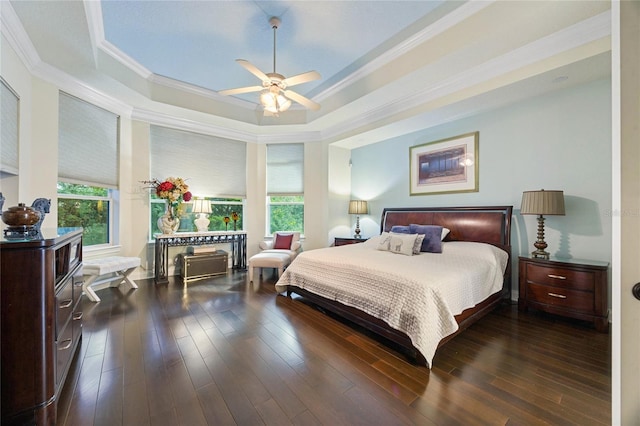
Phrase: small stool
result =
(114, 270)
(277, 261)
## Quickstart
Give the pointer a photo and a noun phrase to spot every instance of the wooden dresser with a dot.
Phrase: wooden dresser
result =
(40, 290)
(569, 287)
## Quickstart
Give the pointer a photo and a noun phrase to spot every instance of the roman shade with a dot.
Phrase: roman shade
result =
(211, 166)
(9, 119)
(285, 169)
(87, 143)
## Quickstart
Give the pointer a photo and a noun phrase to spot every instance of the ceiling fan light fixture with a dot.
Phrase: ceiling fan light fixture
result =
(273, 101)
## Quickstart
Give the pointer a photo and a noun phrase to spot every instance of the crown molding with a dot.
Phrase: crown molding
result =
(221, 131)
(582, 33)
(447, 21)
(17, 37)
(166, 120)
(93, 13)
(198, 91)
(124, 59)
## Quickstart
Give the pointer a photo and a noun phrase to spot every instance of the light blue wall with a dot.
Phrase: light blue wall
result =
(555, 141)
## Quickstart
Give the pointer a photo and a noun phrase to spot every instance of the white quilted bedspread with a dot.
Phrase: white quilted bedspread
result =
(418, 295)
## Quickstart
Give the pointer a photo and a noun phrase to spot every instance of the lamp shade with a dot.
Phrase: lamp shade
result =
(542, 202)
(201, 206)
(358, 207)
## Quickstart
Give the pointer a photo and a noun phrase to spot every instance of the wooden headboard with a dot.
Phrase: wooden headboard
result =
(478, 224)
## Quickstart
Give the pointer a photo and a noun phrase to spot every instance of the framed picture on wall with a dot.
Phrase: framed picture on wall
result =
(445, 166)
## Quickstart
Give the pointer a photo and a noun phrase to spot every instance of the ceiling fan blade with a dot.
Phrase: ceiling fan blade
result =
(253, 70)
(301, 78)
(239, 90)
(301, 100)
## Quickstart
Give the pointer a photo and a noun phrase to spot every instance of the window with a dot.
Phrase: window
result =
(286, 213)
(213, 167)
(87, 169)
(285, 187)
(88, 207)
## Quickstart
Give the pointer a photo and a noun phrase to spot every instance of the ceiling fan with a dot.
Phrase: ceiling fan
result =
(274, 96)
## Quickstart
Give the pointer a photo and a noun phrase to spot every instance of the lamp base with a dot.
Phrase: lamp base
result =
(357, 231)
(202, 223)
(541, 254)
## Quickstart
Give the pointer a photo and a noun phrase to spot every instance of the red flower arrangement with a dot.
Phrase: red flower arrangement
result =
(174, 190)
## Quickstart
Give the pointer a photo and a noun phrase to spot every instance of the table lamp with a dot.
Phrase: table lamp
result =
(542, 203)
(202, 208)
(358, 207)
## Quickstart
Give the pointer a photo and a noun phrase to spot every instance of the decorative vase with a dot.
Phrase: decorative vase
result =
(20, 215)
(168, 223)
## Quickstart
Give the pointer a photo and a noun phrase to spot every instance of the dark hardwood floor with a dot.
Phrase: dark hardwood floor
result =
(221, 352)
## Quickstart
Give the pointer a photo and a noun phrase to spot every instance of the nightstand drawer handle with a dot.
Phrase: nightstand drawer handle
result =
(559, 296)
(557, 277)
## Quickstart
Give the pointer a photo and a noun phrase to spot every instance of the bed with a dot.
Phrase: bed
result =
(416, 302)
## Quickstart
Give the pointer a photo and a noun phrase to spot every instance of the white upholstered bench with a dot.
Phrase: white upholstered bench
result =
(114, 270)
(268, 259)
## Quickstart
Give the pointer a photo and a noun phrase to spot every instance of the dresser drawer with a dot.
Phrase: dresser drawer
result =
(64, 306)
(575, 300)
(561, 277)
(64, 352)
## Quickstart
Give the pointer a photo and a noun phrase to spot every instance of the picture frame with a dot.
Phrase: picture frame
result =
(444, 166)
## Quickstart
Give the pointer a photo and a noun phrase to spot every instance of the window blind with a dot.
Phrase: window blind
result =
(211, 166)
(87, 143)
(9, 119)
(285, 169)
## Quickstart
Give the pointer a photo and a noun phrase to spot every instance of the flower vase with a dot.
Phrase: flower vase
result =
(168, 223)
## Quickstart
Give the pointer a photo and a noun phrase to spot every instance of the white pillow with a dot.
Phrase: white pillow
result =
(383, 242)
(445, 232)
(402, 243)
(417, 246)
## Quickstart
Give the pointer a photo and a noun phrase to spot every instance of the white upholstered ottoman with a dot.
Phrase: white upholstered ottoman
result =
(114, 270)
(277, 261)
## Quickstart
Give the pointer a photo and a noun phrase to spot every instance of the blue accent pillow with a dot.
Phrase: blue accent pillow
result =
(432, 242)
(400, 229)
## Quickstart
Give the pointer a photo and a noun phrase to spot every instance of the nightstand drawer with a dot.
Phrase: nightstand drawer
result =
(581, 301)
(561, 277)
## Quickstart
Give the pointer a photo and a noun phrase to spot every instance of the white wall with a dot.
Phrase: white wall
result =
(556, 141)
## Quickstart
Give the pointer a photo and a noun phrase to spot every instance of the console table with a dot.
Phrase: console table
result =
(237, 239)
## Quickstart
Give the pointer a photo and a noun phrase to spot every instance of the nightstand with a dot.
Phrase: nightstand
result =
(344, 241)
(569, 287)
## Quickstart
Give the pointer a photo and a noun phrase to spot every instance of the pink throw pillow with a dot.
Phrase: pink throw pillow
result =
(283, 241)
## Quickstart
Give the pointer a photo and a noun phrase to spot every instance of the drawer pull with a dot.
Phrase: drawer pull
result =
(557, 277)
(77, 316)
(66, 303)
(67, 344)
(559, 296)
